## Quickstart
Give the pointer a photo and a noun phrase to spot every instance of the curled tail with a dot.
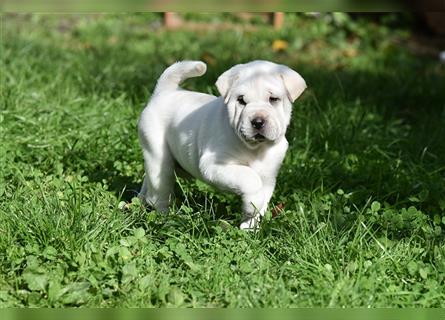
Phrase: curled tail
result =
(172, 77)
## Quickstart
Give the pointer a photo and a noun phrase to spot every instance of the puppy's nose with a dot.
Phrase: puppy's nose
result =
(258, 123)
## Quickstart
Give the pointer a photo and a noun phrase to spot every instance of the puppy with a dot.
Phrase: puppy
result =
(234, 142)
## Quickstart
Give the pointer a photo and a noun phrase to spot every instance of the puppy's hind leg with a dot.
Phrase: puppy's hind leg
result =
(157, 188)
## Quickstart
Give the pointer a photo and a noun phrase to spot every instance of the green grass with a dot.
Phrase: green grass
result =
(363, 182)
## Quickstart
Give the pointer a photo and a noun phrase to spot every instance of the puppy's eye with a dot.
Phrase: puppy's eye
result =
(274, 99)
(241, 100)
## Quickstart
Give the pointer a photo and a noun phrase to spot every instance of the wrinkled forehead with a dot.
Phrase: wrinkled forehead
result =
(259, 82)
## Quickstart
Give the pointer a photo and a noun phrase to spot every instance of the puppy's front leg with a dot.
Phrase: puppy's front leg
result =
(253, 208)
(251, 219)
(241, 180)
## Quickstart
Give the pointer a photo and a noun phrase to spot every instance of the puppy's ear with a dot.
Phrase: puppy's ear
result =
(294, 83)
(225, 81)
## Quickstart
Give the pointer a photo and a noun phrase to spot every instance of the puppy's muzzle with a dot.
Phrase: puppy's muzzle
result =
(258, 123)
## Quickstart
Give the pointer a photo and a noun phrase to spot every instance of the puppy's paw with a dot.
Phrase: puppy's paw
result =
(251, 224)
(124, 206)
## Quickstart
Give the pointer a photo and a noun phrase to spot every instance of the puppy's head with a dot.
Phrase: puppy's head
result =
(259, 97)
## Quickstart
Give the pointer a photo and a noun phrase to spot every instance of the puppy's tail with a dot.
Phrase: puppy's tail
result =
(174, 75)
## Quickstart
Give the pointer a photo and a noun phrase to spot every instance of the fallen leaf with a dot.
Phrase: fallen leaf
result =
(277, 210)
(113, 40)
(208, 58)
(350, 52)
(279, 45)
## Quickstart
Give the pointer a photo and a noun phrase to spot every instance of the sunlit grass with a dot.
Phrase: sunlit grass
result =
(362, 184)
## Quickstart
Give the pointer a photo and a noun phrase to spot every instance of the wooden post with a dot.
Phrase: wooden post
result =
(171, 20)
(278, 19)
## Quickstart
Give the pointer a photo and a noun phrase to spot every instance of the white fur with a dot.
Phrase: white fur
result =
(213, 138)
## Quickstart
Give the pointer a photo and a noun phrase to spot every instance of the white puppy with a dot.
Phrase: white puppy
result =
(234, 142)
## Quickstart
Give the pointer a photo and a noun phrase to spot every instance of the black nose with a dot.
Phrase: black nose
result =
(258, 123)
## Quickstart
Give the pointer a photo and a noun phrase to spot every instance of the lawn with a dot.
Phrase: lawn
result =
(363, 182)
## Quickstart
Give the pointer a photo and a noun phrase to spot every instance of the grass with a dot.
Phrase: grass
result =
(363, 182)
